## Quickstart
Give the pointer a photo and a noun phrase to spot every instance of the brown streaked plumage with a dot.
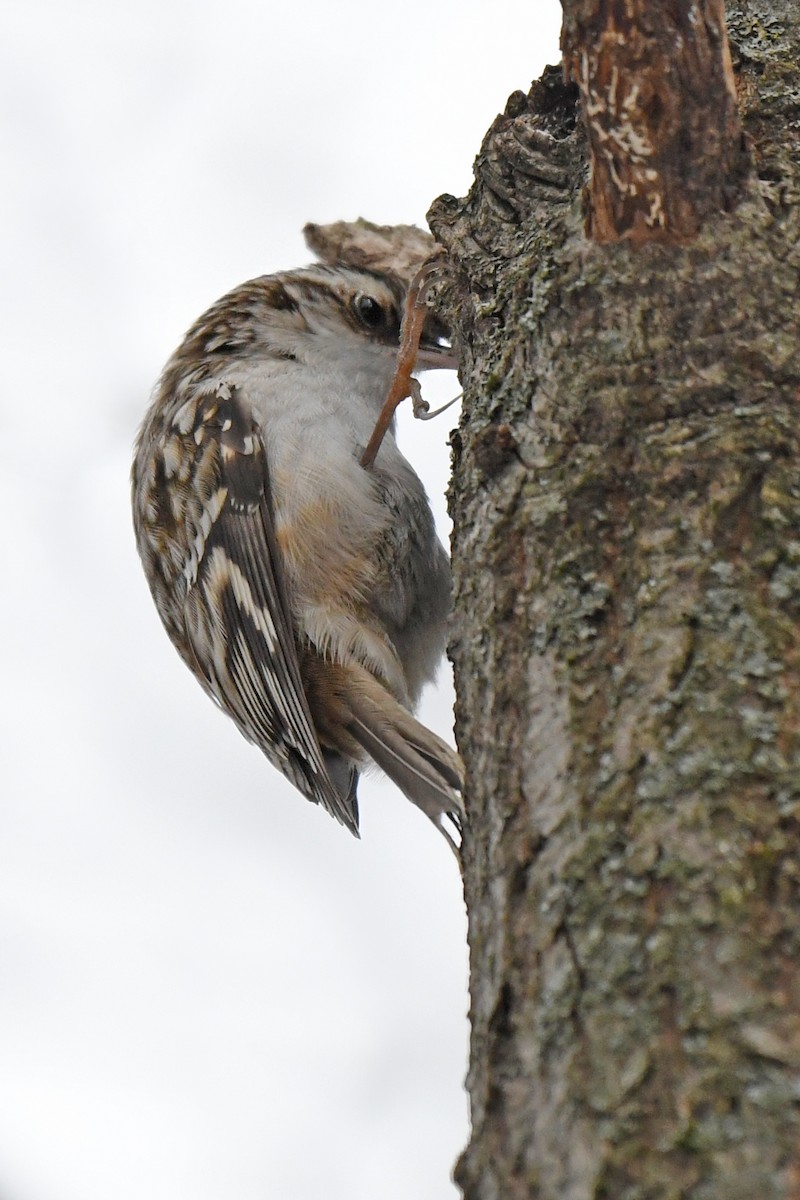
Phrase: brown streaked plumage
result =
(307, 594)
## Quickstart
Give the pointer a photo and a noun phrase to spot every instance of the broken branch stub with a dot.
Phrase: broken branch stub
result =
(659, 105)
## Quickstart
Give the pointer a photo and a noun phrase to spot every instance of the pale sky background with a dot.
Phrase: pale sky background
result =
(208, 989)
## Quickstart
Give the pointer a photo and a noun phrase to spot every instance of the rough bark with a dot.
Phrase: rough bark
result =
(626, 501)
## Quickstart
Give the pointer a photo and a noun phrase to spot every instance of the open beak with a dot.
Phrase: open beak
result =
(435, 349)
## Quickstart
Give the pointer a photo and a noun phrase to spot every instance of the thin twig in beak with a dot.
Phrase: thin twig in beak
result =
(403, 384)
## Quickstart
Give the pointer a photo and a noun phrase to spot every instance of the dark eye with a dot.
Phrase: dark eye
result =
(369, 311)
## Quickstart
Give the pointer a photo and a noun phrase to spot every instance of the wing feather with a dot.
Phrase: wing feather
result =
(238, 618)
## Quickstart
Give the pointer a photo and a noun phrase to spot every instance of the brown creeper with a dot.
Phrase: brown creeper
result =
(307, 593)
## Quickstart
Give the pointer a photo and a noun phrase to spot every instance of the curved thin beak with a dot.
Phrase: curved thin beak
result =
(435, 356)
(435, 349)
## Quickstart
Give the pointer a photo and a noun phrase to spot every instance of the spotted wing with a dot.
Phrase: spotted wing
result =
(237, 616)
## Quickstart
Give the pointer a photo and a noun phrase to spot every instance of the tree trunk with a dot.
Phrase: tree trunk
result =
(626, 554)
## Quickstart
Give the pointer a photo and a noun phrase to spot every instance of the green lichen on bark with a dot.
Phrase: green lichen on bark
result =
(626, 501)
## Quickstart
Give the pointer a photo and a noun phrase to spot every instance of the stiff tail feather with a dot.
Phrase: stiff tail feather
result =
(423, 766)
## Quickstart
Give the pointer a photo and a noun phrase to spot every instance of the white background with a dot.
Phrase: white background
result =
(208, 989)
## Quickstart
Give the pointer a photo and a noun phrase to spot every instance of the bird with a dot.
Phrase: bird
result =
(307, 593)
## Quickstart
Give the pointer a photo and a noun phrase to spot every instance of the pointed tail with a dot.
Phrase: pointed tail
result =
(424, 767)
